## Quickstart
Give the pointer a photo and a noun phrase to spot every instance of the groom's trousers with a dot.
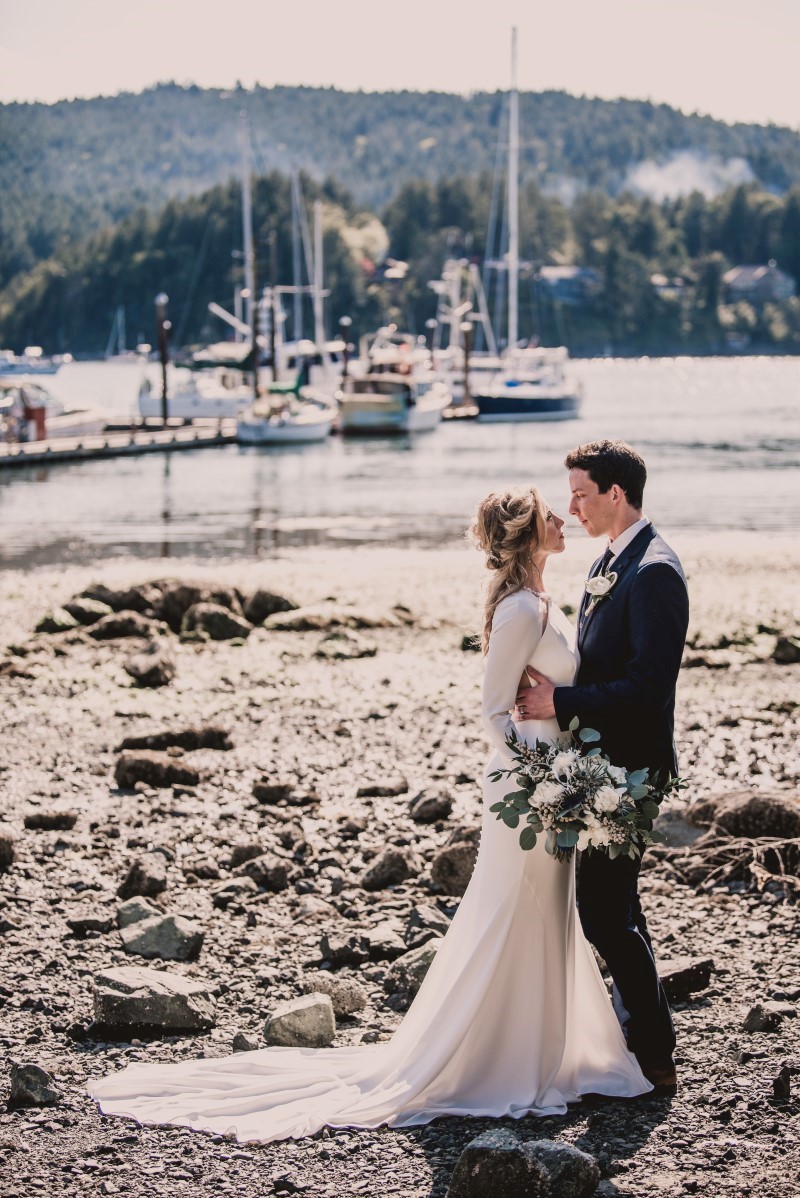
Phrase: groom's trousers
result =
(612, 920)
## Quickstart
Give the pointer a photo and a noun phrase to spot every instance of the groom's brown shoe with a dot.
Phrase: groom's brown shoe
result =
(663, 1081)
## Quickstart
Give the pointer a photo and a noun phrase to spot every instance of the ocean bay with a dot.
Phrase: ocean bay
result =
(720, 436)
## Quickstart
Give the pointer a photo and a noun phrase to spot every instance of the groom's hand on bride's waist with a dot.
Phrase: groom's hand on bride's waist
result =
(535, 702)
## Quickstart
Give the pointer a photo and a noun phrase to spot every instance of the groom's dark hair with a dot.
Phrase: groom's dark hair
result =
(609, 462)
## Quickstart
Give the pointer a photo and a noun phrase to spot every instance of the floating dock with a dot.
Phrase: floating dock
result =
(114, 444)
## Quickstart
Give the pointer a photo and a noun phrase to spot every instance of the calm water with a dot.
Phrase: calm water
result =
(721, 438)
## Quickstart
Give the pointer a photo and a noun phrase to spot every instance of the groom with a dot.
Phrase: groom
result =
(631, 630)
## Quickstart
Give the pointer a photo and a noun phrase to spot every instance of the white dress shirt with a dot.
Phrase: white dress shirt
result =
(624, 539)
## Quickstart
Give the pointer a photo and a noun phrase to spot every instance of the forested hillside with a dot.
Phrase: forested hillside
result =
(108, 201)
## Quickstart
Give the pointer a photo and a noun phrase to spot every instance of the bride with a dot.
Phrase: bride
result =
(512, 1017)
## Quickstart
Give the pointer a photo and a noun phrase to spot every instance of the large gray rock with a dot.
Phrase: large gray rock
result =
(325, 616)
(217, 621)
(306, 1022)
(750, 813)
(125, 624)
(386, 940)
(135, 998)
(389, 868)
(57, 620)
(347, 996)
(452, 865)
(268, 870)
(344, 949)
(787, 650)
(147, 875)
(201, 736)
(767, 1016)
(573, 1174)
(345, 645)
(135, 909)
(430, 805)
(497, 1165)
(7, 846)
(177, 597)
(685, 976)
(234, 892)
(423, 923)
(263, 603)
(407, 972)
(82, 921)
(32, 1086)
(51, 820)
(87, 611)
(169, 937)
(159, 770)
(152, 668)
(142, 598)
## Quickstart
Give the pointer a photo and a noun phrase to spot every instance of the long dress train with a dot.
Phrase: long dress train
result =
(512, 1017)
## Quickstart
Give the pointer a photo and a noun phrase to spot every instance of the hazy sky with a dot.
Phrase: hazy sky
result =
(734, 59)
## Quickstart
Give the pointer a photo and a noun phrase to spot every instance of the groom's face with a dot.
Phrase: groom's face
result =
(594, 510)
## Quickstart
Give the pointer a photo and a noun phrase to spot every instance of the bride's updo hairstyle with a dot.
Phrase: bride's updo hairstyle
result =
(508, 527)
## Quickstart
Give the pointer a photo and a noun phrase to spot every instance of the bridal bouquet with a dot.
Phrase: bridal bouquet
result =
(578, 799)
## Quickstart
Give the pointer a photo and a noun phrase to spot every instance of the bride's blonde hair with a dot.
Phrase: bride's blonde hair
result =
(508, 527)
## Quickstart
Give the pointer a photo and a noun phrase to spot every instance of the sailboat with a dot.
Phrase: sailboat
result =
(533, 382)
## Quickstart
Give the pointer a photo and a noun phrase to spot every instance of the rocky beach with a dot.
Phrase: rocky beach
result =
(239, 806)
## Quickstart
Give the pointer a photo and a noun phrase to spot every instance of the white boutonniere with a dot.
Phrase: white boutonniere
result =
(599, 588)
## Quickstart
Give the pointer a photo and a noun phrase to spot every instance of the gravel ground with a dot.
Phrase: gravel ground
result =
(332, 727)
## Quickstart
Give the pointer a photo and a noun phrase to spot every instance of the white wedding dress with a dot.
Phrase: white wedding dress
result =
(512, 1017)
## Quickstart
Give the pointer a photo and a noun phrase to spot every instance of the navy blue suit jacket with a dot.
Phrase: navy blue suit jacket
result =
(631, 646)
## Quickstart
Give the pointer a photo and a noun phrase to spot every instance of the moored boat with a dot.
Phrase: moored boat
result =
(533, 385)
(30, 413)
(395, 389)
(287, 417)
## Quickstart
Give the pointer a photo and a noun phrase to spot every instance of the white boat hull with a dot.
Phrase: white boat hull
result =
(366, 414)
(254, 430)
(196, 400)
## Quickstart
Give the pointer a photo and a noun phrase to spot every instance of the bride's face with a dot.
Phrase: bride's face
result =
(553, 536)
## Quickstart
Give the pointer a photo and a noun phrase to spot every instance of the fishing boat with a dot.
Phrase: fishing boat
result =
(28, 412)
(395, 391)
(287, 415)
(533, 383)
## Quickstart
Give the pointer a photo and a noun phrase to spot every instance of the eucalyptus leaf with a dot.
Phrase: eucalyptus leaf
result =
(588, 735)
(637, 777)
(574, 723)
(568, 838)
(497, 806)
(596, 752)
(510, 818)
(552, 841)
(640, 792)
(527, 838)
(650, 810)
(613, 851)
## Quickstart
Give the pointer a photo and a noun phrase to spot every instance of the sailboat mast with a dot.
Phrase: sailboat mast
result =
(319, 324)
(297, 325)
(513, 198)
(247, 226)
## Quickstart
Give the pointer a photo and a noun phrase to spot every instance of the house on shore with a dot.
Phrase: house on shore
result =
(758, 285)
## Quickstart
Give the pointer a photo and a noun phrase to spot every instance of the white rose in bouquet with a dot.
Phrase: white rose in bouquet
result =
(606, 799)
(584, 839)
(617, 774)
(546, 793)
(600, 835)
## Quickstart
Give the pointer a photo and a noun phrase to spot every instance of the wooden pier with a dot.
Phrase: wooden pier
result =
(113, 444)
